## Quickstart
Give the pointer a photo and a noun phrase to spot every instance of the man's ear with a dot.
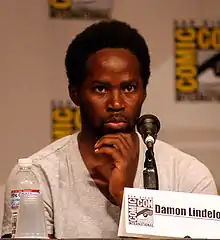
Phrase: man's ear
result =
(74, 94)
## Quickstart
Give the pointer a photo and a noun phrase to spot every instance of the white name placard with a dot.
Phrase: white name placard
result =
(151, 213)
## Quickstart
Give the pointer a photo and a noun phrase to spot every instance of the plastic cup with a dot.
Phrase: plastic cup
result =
(31, 219)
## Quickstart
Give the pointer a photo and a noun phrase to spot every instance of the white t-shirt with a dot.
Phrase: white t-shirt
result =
(74, 206)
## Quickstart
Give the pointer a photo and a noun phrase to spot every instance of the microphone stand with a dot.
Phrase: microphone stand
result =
(150, 175)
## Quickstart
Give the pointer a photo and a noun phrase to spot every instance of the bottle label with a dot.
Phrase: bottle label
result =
(15, 196)
(15, 201)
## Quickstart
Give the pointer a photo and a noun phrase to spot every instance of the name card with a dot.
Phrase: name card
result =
(165, 214)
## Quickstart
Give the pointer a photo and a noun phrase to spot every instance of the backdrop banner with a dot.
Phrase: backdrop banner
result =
(65, 119)
(197, 61)
(80, 9)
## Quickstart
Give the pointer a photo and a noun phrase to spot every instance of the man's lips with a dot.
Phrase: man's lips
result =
(116, 119)
(116, 124)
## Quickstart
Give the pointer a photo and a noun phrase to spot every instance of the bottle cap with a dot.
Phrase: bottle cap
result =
(25, 162)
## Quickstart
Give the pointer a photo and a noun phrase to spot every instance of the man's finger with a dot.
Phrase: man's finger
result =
(114, 143)
(114, 153)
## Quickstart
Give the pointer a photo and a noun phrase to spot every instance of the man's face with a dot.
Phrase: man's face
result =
(112, 94)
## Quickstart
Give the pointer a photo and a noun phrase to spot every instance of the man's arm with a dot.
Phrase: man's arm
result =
(123, 149)
(206, 185)
(196, 178)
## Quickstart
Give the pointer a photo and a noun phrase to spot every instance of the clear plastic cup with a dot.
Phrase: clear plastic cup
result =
(31, 219)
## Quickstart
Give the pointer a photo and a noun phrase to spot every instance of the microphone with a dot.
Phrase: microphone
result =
(148, 126)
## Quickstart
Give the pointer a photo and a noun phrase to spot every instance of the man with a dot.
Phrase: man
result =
(83, 176)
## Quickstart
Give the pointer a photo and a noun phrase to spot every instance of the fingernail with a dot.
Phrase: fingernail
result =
(96, 150)
(96, 143)
(115, 146)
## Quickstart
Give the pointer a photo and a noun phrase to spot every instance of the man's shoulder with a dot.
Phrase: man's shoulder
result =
(168, 154)
(171, 151)
(57, 148)
(192, 174)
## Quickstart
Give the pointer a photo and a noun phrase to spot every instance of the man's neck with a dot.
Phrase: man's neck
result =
(86, 141)
(99, 167)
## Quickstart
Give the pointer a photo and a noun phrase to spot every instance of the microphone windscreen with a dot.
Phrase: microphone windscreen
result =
(148, 124)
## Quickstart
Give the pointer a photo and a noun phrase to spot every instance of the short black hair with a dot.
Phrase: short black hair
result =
(100, 35)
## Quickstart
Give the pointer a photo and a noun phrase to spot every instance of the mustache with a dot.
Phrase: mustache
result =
(115, 118)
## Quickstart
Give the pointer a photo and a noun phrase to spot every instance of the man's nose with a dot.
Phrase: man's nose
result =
(115, 102)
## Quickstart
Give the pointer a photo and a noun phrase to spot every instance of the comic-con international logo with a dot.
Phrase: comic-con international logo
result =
(89, 9)
(197, 61)
(140, 211)
(65, 119)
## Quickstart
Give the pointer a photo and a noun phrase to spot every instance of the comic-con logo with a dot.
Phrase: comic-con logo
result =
(140, 211)
(65, 119)
(197, 61)
(90, 9)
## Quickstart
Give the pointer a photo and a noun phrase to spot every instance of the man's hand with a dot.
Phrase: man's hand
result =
(124, 151)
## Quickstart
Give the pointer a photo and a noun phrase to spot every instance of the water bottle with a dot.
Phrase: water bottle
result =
(25, 182)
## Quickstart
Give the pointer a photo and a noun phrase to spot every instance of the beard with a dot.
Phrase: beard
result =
(102, 130)
(98, 128)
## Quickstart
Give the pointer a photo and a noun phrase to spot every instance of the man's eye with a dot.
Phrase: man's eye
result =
(130, 88)
(100, 89)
